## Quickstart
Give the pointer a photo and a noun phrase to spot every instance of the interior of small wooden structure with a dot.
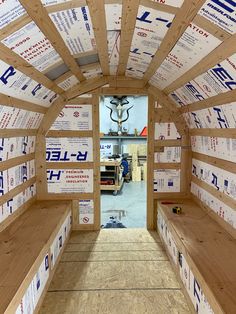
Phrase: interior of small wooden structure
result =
(60, 53)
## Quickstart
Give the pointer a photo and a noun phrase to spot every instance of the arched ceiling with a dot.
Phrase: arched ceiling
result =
(181, 51)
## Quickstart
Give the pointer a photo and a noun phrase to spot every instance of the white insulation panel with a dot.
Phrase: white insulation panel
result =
(69, 82)
(16, 84)
(218, 117)
(166, 181)
(13, 118)
(74, 117)
(219, 79)
(227, 213)
(170, 154)
(70, 181)
(151, 27)
(76, 29)
(12, 205)
(69, 149)
(194, 45)
(221, 180)
(60, 239)
(31, 45)
(222, 13)
(12, 177)
(166, 131)
(219, 147)
(10, 10)
(35, 289)
(16, 146)
(86, 212)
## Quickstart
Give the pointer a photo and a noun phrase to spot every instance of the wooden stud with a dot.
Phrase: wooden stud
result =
(162, 116)
(40, 16)
(69, 165)
(125, 82)
(167, 143)
(5, 133)
(220, 53)
(217, 100)
(65, 196)
(211, 28)
(41, 170)
(98, 17)
(219, 195)
(10, 57)
(185, 173)
(14, 26)
(96, 161)
(4, 165)
(151, 221)
(217, 162)
(170, 196)
(226, 133)
(17, 190)
(128, 21)
(123, 91)
(80, 101)
(167, 165)
(72, 4)
(180, 23)
(55, 133)
(10, 101)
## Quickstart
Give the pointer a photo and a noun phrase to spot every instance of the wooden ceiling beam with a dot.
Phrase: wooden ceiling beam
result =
(128, 22)
(217, 100)
(159, 6)
(21, 104)
(40, 16)
(173, 110)
(211, 28)
(72, 4)
(223, 51)
(180, 23)
(10, 57)
(14, 26)
(98, 17)
(225, 133)
(59, 104)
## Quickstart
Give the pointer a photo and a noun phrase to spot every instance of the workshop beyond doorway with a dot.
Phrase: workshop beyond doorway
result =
(123, 160)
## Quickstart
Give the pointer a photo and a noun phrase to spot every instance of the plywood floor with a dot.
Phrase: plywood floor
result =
(113, 272)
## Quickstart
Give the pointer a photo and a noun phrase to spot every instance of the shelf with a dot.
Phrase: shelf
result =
(123, 137)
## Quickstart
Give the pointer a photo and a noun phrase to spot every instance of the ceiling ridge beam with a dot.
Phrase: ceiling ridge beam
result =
(128, 22)
(40, 16)
(180, 23)
(98, 18)
(10, 101)
(220, 99)
(10, 57)
(222, 52)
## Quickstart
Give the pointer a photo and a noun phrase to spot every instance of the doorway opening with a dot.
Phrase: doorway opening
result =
(123, 161)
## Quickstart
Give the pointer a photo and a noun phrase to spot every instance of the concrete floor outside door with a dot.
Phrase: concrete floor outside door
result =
(129, 206)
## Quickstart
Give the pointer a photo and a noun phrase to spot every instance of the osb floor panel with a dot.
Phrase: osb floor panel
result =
(114, 271)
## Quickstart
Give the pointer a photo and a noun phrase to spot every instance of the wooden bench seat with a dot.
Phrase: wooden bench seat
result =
(23, 246)
(209, 250)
